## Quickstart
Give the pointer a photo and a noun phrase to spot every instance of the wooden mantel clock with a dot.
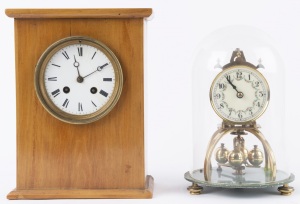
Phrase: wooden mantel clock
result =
(80, 103)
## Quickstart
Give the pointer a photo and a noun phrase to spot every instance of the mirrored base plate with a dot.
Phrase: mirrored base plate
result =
(253, 178)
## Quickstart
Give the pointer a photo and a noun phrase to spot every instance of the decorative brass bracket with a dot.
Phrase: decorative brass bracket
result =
(270, 162)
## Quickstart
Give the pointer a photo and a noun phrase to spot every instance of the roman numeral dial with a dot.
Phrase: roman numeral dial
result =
(82, 80)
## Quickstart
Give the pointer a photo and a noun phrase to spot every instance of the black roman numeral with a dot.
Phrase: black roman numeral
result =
(94, 55)
(55, 93)
(94, 104)
(80, 107)
(66, 55)
(66, 103)
(80, 51)
(103, 93)
(55, 65)
(107, 79)
(52, 79)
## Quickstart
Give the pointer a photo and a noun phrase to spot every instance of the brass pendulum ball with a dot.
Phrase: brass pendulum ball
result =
(222, 154)
(255, 156)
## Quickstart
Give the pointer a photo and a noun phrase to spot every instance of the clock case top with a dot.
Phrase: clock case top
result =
(90, 158)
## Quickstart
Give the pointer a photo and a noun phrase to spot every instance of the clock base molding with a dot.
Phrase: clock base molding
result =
(147, 192)
(254, 178)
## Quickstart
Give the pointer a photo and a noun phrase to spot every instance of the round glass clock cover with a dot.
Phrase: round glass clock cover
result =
(78, 80)
(239, 94)
(214, 57)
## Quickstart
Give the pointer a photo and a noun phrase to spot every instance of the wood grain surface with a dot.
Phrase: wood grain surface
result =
(107, 154)
(79, 13)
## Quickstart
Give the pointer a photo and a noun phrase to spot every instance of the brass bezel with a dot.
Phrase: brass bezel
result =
(241, 66)
(47, 102)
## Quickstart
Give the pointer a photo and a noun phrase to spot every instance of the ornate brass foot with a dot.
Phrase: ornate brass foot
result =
(195, 189)
(285, 189)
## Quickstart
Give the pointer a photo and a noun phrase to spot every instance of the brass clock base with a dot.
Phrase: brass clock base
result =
(286, 189)
(147, 192)
(195, 189)
(253, 178)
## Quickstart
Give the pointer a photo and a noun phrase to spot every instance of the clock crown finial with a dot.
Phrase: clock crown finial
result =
(237, 56)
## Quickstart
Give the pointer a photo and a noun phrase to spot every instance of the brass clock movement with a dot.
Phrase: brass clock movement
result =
(80, 103)
(239, 95)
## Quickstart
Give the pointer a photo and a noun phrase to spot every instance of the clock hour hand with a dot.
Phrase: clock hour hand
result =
(238, 93)
(76, 64)
(99, 68)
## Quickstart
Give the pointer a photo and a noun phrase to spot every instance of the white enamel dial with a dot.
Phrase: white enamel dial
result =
(239, 94)
(78, 80)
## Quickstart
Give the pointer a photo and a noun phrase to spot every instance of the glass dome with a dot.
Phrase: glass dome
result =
(238, 112)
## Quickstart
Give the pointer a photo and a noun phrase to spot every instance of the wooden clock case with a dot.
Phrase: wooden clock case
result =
(104, 159)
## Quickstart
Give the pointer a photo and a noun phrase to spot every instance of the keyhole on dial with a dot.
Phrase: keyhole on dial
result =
(66, 89)
(93, 90)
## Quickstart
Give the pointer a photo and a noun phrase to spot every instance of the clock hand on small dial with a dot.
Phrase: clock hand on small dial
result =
(76, 64)
(238, 93)
(99, 68)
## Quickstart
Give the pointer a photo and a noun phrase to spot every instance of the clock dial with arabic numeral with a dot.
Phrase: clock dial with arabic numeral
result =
(78, 80)
(239, 94)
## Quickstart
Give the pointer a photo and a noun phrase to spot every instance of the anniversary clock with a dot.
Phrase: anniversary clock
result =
(80, 103)
(238, 154)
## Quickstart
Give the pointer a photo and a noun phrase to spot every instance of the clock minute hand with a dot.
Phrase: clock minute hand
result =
(238, 93)
(233, 86)
(99, 68)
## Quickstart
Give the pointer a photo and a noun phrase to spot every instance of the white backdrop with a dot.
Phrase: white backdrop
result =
(172, 37)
